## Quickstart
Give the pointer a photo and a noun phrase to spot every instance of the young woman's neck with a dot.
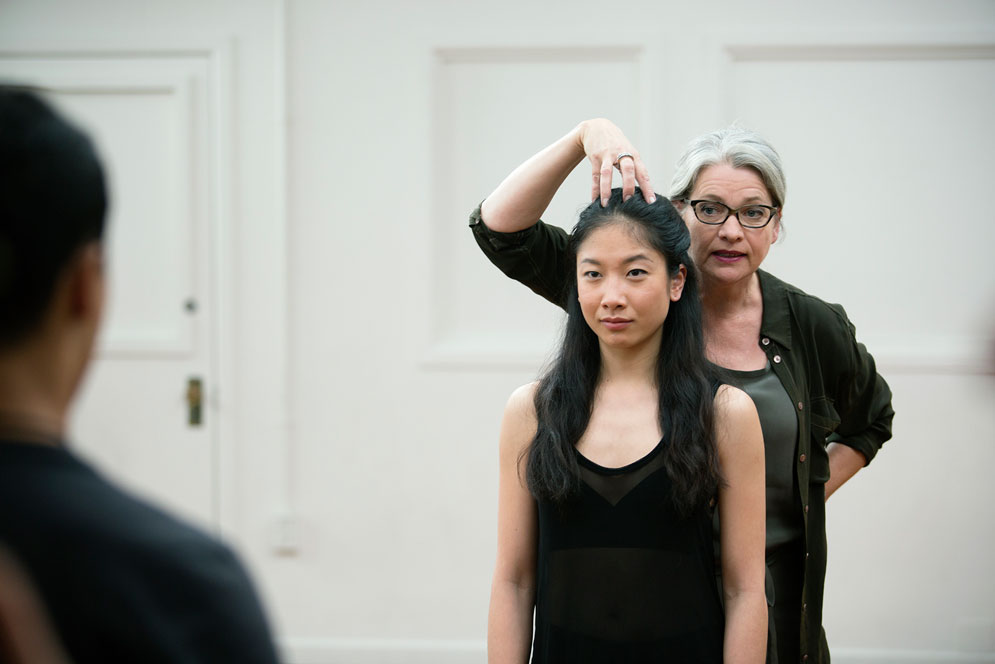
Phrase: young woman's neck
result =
(630, 364)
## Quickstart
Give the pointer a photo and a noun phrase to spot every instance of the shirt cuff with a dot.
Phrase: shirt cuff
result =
(862, 444)
(496, 240)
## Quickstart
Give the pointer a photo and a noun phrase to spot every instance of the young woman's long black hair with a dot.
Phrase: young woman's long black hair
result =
(685, 379)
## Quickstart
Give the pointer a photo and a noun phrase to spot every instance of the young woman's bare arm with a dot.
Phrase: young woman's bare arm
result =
(742, 518)
(509, 623)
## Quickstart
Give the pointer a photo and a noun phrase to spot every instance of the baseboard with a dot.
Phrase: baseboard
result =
(382, 651)
(443, 651)
(889, 656)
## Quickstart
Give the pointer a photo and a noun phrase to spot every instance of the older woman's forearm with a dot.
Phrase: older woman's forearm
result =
(746, 628)
(844, 462)
(519, 201)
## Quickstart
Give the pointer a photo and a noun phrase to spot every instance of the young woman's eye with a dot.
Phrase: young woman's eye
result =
(591, 274)
(637, 272)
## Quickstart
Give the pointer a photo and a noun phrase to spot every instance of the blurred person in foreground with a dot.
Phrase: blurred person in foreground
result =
(26, 633)
(121, 580)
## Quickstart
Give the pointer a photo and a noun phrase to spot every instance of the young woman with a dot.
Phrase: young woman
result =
(613, 462)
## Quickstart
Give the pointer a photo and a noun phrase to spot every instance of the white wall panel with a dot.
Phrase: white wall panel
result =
(494, 107)
(888, 152)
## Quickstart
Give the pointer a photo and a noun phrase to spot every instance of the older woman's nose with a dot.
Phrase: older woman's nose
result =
(731, 229)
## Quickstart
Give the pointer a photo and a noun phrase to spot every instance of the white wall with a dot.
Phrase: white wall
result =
(402, 343)
(404, 117)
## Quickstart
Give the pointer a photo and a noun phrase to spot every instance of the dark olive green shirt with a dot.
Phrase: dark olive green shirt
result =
(812, 347)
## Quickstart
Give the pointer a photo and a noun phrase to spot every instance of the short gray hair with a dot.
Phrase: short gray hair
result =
(737, 147)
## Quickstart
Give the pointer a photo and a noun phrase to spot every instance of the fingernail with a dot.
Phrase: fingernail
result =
(604, 202)
(653, 199)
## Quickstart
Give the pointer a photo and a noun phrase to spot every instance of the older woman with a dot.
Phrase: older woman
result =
(823, 408)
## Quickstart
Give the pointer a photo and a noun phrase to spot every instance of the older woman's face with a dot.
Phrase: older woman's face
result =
(729, 253)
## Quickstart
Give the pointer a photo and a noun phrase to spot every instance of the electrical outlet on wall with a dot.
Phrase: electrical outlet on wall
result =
(286, 535)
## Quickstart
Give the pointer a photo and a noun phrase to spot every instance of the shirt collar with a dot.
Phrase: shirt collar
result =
(776, 321)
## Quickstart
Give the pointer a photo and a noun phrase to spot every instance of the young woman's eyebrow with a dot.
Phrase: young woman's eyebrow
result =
(630, 259)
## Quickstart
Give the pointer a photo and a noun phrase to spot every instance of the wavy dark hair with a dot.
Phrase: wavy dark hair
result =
(685, 379)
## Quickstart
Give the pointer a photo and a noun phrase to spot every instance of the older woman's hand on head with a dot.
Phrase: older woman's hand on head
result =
(607, 148)
(522, 197)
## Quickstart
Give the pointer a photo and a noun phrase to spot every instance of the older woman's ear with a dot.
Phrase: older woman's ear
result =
(777, 226)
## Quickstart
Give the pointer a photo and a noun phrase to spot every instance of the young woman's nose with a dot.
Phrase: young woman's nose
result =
(613, 295)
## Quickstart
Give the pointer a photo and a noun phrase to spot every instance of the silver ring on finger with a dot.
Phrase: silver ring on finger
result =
(621, 156)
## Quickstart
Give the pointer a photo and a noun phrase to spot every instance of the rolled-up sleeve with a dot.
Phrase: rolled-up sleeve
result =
(863, 398)
(535, 256)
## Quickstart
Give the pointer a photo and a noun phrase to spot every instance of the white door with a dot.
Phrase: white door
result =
(138, 417)
(182, 100)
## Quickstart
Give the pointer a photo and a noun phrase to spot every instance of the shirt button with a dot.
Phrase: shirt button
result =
(804, 605)
(806, 556)
(801, 406)
(806, 512)
(777, 359)
(765, 341)
(801, 459)
(804, 658)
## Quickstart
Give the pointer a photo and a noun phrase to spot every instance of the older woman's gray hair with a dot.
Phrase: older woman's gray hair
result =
(737, 147)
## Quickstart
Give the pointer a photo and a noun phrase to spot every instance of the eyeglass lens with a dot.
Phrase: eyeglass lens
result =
(711, 212)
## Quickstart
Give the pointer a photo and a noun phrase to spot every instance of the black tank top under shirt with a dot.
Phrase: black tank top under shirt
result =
(621, 577)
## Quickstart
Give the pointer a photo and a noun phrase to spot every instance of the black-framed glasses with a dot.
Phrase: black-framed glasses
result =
(749, 216)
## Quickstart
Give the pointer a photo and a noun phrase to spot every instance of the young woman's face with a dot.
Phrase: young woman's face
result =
(623, 286)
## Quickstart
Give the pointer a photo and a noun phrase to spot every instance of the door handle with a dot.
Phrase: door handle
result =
(195, 402)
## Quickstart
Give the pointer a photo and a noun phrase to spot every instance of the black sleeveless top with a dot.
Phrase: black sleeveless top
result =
(621, 577)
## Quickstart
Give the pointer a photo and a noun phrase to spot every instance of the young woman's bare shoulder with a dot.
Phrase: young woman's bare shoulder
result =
(733, 407)
(522, 400)
(519, 424)
(732, 402)
(736, 422)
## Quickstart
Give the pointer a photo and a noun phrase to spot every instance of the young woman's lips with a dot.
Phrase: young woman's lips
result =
(727, 256)
(615, 324)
